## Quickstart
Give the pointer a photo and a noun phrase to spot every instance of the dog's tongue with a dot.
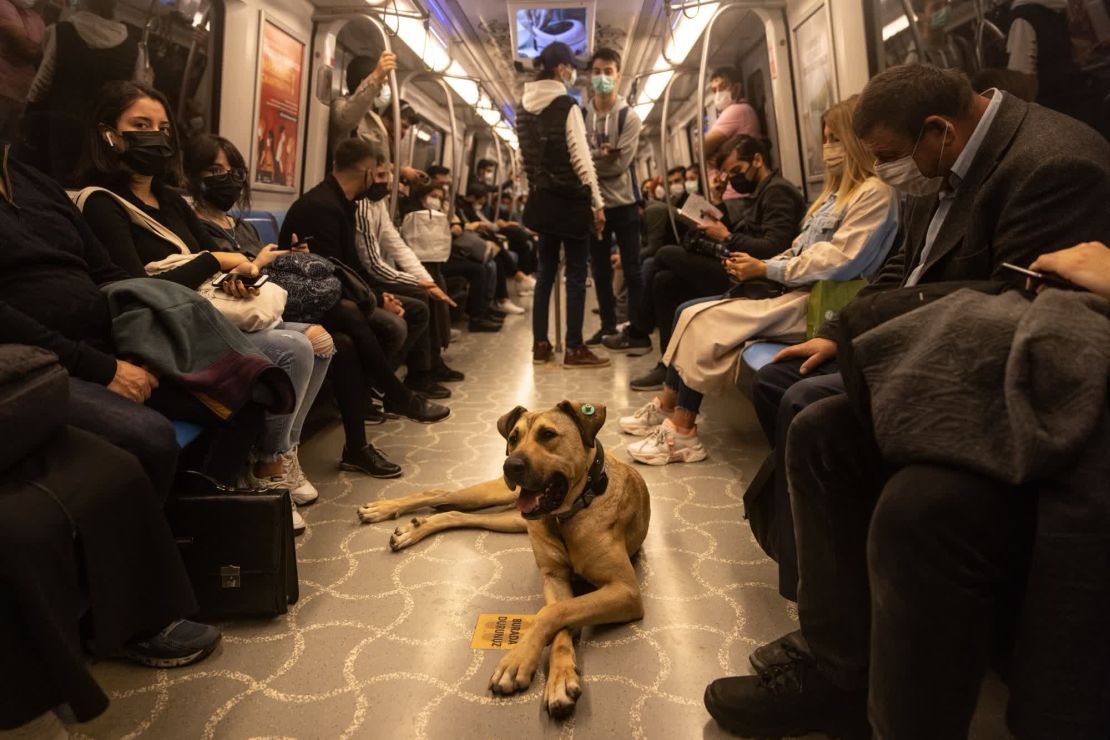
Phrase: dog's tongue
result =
(528, 501)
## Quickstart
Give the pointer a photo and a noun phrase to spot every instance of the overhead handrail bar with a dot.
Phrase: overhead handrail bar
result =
(703, 166)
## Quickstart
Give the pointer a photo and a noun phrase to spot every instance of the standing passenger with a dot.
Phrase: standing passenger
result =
(613, 130)
(565, 202)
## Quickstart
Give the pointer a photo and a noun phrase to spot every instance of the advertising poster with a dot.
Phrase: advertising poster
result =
(281, 68)
(816, 86)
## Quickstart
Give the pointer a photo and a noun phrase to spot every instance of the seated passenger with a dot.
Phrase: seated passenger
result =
(133, 153)
(692, 183)
(471, 211)
(327, 214)
(21, 28)
(50, 269)
(992, 179)
(735, 117)
(696, 270)
(847, 234)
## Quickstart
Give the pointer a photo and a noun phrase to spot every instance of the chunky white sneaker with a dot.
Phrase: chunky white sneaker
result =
(645, 421)
(301, 489)
(509, 307)
(525, 285)
(299, 525)
(666, 445)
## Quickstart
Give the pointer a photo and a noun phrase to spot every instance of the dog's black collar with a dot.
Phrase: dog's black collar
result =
(597, 480)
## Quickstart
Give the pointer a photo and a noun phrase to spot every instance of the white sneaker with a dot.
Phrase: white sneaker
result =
(645, 421)
(301, 489)
(456, 334)
(299, 525)
(666, 445)
(526, 282)
(509, 307)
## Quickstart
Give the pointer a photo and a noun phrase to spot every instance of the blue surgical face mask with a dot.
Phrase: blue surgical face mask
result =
(603, 84)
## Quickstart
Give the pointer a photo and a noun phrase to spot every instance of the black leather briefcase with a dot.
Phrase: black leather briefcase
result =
(237, 546)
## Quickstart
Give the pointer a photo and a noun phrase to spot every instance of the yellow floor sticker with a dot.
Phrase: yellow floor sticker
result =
(500, 631)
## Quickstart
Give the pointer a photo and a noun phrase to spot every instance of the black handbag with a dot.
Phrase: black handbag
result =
(237, 546)
(353, 287)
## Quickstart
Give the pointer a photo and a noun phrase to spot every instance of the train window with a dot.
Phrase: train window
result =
(959, 34)
(426, 145)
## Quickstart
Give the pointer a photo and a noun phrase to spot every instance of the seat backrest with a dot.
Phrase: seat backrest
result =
(826, 299)
(265, 223)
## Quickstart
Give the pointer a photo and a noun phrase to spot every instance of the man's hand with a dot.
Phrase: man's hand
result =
(387, 62)
(412, 176)
(599, 222)
(818, 350)
(615, 260)
(745, 267)
(132, 381)
(715, 230)
(391, 304)
(434, 291)
(1087, 265)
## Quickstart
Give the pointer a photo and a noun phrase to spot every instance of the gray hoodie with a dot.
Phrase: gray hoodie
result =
(614, 174)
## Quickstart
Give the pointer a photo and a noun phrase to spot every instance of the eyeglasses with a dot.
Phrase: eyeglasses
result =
(237, 175)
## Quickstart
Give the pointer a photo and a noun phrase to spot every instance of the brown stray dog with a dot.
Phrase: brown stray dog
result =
(586, 513)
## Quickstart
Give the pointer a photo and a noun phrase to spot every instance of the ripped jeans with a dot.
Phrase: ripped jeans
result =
(287, 347)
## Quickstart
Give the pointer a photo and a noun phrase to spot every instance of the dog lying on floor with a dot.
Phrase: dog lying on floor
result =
(586, 513)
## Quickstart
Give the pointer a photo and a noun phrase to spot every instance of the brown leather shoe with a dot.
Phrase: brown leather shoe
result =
(542, 353)
(582, 357)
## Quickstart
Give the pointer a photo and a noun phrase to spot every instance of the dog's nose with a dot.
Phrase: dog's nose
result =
(515, 468)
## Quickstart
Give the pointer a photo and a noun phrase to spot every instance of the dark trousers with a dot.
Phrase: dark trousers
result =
(623, 224)
(680, 276)
(779, 393)
(642, 320)
(424, 353)
(475, 275)
(138, 429)
(577, 256)
(520, 242)
(901, 571)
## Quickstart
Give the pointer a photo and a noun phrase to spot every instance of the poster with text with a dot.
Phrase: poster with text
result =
(816, 86)
(279, 108)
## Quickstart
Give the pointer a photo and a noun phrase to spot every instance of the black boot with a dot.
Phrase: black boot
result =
(418, 408)
(368, 460)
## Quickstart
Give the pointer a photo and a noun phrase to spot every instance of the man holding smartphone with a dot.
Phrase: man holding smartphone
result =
(613, 130)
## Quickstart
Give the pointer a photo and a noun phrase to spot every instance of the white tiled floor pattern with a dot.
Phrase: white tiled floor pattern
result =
(378, 645)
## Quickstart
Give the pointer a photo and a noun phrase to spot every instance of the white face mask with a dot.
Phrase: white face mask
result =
(833, 154)
(722, 99)
(905, 176)
(573, 80)
(677, 188)
(433, 204)
(692, 186)
(385, 97)
(660, 193)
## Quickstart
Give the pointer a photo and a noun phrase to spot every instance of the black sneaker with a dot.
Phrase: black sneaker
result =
(368, 460)
(374, 414)
(652, 380)
(418, 408)
(786, 649)
(180, 644)
(597, 338)
(483, 325)
(788, 700)
(496, 314)
(426, 386)
(444, 374)
(624, 340)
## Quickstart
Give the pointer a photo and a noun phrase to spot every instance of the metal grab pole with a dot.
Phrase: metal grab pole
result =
(456, 154)
(396, 104)
(495, 201)
(703, 169)
(663, 152)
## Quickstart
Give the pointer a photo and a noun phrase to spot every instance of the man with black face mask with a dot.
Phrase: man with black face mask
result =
(328, 214)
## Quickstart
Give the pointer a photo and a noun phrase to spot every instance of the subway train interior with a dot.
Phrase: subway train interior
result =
(555, 368)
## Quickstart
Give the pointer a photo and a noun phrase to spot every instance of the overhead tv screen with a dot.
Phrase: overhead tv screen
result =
(538, 27)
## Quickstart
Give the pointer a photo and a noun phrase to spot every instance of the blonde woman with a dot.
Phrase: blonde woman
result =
(846, 234)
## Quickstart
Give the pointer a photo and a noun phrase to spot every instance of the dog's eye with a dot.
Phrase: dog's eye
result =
(514, 438)
(546, 435)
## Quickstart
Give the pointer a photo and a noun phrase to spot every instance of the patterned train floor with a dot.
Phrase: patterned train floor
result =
(378, 646)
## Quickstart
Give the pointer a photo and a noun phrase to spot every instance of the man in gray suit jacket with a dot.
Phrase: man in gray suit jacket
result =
(991, 179)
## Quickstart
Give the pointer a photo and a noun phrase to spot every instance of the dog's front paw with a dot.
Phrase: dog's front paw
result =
(515, 671)
(378, 511)
(562, 690)
(408, 534)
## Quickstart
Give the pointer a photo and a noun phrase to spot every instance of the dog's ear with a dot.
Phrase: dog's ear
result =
(588, 417)
(506, 423)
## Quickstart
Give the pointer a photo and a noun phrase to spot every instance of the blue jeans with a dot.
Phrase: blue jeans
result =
(288, 348)
(688, 398)
(577, 256)
(138, 429)
(622, 222)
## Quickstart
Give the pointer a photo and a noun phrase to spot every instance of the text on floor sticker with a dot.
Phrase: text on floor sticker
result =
(501, 631)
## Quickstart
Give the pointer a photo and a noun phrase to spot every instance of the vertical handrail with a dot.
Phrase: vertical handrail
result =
(495, 202)
(395, 187)
(663, 125)
(456, 153)
(915, 32)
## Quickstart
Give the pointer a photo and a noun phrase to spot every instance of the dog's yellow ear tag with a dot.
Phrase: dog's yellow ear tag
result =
(588, 409)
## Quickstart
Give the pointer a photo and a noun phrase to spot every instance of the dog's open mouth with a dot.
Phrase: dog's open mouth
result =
(534, 503)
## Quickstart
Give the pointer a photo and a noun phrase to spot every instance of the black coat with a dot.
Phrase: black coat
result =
(772, 220)
(1039, 183)
(327, 216)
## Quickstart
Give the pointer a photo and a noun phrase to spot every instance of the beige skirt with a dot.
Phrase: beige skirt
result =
(707, 341)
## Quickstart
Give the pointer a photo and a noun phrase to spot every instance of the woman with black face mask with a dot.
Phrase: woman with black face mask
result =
(218, 179)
